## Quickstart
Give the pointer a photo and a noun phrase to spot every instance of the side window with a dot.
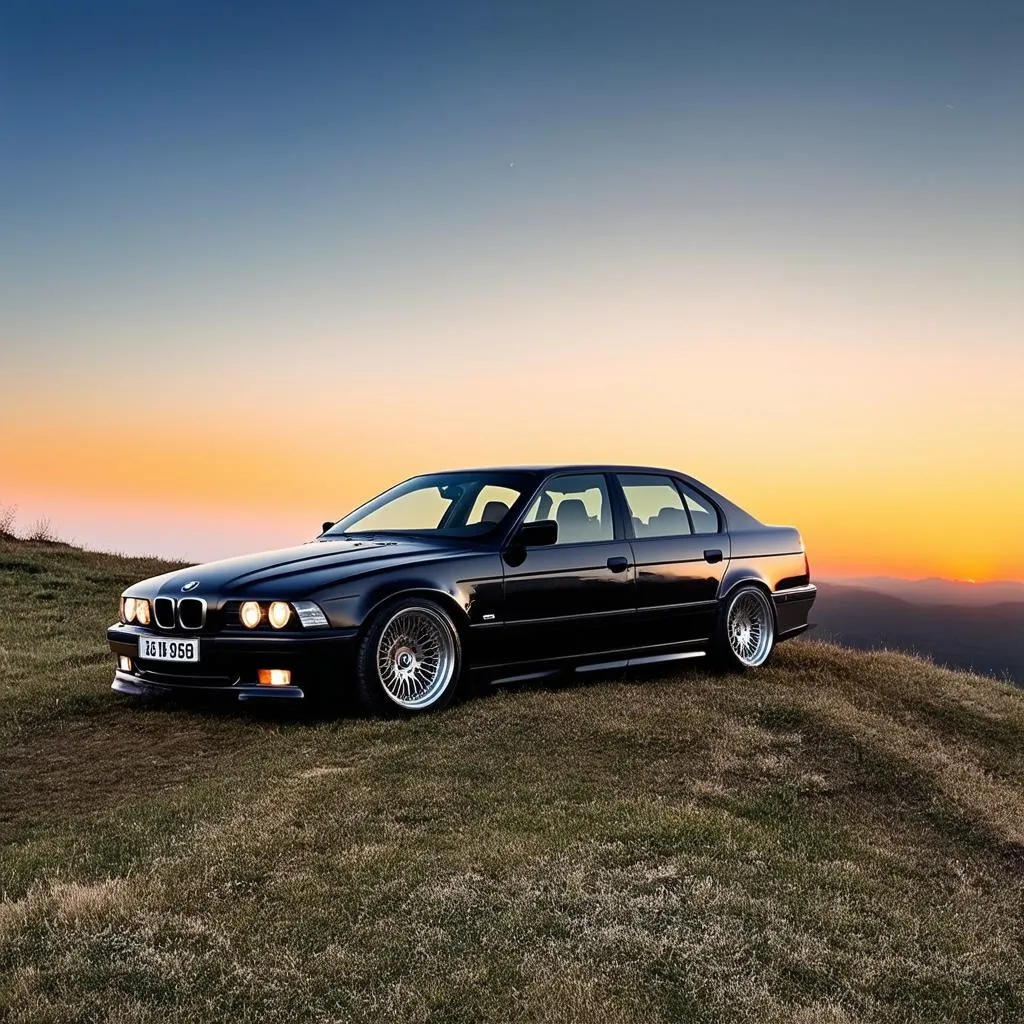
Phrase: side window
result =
(655, 506)
(580, 506)
(492, 504)
(702, 512)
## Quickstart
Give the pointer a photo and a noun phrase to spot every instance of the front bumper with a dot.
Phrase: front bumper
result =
(137, 686)
(228, 663)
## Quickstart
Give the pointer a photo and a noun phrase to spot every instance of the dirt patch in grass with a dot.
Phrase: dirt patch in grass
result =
(86, 764)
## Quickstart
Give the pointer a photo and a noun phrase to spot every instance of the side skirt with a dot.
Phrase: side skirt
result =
(498, 678)
(650, 659)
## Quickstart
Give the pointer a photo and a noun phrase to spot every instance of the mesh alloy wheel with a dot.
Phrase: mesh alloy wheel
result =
(750, 627)
(415, 657)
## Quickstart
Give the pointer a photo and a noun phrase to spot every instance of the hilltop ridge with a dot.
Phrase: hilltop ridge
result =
(836, 838)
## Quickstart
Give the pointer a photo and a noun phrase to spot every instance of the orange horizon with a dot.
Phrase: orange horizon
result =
(893, 459)
(286, 507)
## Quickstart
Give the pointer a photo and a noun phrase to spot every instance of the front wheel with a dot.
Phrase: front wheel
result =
(409, 660)
(746, 629)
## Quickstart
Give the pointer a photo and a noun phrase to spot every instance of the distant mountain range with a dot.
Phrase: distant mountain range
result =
(935, 590)
(975, 626)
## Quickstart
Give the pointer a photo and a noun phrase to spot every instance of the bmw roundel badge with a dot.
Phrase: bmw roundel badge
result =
(190, 586)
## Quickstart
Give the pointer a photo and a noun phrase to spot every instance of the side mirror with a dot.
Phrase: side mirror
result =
(538, 535)
(326, 527)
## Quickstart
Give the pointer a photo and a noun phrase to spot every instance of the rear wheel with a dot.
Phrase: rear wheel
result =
(746, 629)
(409, 660)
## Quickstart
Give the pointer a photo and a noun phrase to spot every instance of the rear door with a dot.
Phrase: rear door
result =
(575, 597)
(679, 552)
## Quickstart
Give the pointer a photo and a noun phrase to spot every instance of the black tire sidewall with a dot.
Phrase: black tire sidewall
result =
(372, 695)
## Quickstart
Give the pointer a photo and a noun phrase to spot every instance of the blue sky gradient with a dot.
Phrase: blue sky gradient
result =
(335, 209)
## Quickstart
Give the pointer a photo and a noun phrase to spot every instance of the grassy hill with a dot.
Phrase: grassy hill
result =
(837, 838)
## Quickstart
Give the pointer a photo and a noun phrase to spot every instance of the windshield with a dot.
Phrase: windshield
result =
(470, 504)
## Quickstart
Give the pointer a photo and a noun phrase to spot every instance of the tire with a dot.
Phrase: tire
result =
(409, 660)
(745, 632)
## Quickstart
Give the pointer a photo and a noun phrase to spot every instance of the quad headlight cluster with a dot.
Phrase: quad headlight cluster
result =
(135, 609)
(280, 613)
(252, 614)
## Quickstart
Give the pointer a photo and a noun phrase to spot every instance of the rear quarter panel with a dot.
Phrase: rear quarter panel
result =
(772, 555)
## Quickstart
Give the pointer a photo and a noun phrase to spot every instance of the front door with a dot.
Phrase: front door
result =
(576, 597)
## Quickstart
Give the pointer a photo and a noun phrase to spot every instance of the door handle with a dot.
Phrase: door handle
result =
(713, 555)
(618, 564)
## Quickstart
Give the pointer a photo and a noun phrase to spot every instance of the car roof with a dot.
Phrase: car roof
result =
(565, 467)
(736, 517)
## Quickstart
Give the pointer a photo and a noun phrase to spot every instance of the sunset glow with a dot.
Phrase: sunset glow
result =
(795, 274)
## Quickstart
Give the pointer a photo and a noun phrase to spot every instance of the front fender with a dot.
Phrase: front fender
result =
(456, 600)
(469, 589)
(354, 612)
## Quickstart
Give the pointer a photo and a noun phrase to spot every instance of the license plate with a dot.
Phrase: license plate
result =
(158, 649)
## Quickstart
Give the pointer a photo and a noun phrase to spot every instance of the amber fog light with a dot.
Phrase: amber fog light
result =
(142, 612)
(250, 613)
(274, 677)
(279, 614)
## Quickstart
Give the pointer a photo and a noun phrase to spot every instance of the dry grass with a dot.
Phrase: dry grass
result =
(8, 515)
(837, 838)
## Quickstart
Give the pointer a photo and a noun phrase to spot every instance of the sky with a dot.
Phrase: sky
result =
(260, 261)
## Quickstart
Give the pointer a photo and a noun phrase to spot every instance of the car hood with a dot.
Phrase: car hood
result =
(294, 572)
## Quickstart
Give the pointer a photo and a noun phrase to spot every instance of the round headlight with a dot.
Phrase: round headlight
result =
(142, 612)
(129, 609)
(250, 613)
(279, 614)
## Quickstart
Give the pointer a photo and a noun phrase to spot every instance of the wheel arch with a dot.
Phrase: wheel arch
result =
(448, 602)
(748, 577)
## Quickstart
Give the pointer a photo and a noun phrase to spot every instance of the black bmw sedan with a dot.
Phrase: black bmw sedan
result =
(498, 574)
